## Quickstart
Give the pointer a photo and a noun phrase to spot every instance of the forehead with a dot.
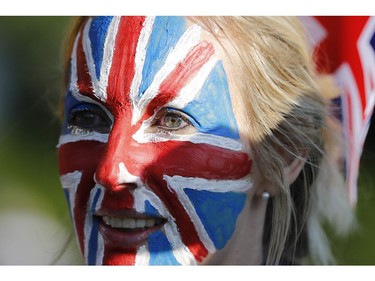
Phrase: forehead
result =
(152, 39)
(153, 43)
(148, 62)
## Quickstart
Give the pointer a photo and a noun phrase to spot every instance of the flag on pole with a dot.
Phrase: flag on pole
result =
(345, 48)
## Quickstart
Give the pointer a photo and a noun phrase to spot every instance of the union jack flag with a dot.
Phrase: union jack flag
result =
(130, 67)
(345, 48)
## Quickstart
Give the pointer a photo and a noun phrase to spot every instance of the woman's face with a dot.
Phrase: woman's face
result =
(150, 153)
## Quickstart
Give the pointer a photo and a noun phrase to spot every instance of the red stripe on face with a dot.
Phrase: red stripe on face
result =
(123, 64)
(113, 256)
(181, 75)
(84, 83)
(80, 156)
(85, 156)
(80, 205)
(119, 199)
(186, 227)
(190, 160)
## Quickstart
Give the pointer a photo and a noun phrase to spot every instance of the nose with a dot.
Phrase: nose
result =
(112, 172)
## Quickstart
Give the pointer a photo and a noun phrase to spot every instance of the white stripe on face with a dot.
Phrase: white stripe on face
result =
(100, 250)
(140, 58)
(221, 186)
(178, 184)
(180, 250)
(142, 137)
(189, 39)
(193, 88)
(86, 44)
(143, 256)
(88, 228)
(109, 47)
(73, 68)
(100, 84)
(92, 136)
(70, 182)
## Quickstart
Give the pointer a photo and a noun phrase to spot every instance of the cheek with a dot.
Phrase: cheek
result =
(81, 156)
(203, 187)
(199, 160)
(77, 165)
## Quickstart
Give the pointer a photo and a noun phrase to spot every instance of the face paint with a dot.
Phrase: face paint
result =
(150, 157)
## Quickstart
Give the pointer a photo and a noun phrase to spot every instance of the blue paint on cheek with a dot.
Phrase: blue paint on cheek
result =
(212, 109)
(218, 212)
(372, 42)
(150, 210)
(165, 34)
(160, 250)
(93, 239)
(93, 244)
(97, 34)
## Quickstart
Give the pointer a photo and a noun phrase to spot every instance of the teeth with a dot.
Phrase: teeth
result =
(140, 223)
(115, 222)
(107, 220)
(129, 223)
(150, 223)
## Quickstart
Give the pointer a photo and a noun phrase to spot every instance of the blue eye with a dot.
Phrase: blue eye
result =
(89, 118)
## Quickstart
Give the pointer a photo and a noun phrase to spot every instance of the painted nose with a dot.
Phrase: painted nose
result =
(111, 172)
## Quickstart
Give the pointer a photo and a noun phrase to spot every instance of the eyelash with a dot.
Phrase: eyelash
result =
(87, 118)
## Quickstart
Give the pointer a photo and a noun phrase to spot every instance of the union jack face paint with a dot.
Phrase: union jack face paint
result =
(150, 155)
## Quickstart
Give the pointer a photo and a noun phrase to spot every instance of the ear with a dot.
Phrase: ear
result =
(294, 168)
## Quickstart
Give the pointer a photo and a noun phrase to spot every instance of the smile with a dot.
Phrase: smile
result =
(123, 229)
(131, 223)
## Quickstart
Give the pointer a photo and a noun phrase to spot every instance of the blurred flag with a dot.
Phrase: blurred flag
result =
(345, 47)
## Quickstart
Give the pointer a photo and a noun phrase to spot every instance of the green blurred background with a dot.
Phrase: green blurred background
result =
(34, 221)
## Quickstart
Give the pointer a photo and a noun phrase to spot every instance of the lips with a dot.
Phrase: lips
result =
(124, 229)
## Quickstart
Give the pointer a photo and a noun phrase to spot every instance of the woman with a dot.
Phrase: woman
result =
(196, 141)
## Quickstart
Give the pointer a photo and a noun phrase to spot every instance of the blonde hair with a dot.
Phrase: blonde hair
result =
(285, 116)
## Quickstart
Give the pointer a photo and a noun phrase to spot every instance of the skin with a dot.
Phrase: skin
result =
(151, 155)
